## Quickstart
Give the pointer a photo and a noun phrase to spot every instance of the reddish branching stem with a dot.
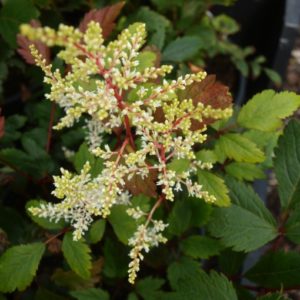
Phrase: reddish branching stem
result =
(154, 208)
(63, 231)
(108, 80)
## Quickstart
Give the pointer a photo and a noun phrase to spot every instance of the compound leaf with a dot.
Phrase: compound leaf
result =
(182, 49)
(215, 186)
(18, 266)
(239, 148)
(276, 270)
(287, 165)
(190, 282)
(77, 254)
(197, 246)
(266, 110)
(244, 171)
(246, 225)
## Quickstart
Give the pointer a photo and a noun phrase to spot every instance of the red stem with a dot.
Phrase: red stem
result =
(155, 206)
(120, 153)
(108, 80)
(63, 231)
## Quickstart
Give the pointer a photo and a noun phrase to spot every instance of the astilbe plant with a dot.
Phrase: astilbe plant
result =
(117, 94)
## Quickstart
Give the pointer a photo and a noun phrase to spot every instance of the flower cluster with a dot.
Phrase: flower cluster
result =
(144, 238)
(117, 92)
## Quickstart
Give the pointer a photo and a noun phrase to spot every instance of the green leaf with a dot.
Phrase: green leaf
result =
(273, 75)
(261, 138)
(184, 268)
(266, 141)
(287, 165)
(12, 14)
(266, 110)
(70, 280)
(292, 226)
(206, 156)
(200, 246)
(156, 25)
(179, 165)
(276, 270)
(247, 224)
(206, 33)
(124, 226)
(34, 149)
(200, 211)
(158, 38)
(43, 222)
(190, 282)
(38, 155)
(12, 223)
(12, 124)
(72, 137)
(225, 24)
(115, 259)
(239, 148)
(18, 266)
(256, 69)
(15, 122)
(90, 294)
(215, 186)
(18, 158)
(96, 231)
(182, 49)
(245, 171)
(241, 65)
(39, 135)
(231, 262)
(82, 156)
(179, 218)
(148, 288)
(146, 59)
(77, 254)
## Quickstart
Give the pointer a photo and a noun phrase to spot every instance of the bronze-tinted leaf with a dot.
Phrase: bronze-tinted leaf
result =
(24, 43)
(209, 92)
(138, 185)
(105, 17)
(146, 186)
